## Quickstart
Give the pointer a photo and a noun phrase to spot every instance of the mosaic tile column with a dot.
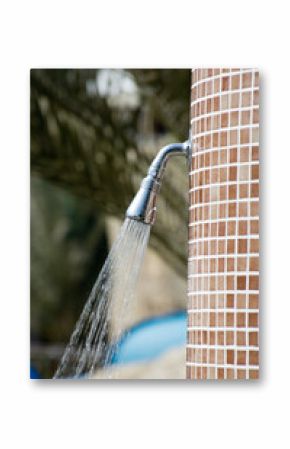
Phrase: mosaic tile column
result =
(223, 273)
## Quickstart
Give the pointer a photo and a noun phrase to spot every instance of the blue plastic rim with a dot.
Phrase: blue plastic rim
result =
(151, 338)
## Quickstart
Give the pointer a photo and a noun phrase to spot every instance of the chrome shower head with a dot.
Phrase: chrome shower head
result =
(143, 206)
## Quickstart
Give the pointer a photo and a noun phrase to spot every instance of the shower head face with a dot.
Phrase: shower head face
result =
(143, 206)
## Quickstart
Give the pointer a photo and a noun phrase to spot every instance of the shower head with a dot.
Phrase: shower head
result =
(143, 206)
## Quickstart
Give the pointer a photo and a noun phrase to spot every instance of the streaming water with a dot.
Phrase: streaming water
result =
(92, 342)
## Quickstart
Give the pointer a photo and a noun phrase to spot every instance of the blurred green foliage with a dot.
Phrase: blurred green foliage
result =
(93, 135)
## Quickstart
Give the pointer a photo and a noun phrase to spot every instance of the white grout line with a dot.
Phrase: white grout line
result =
(228, 165)
(223, 111)
(226, 129)
(222, 273)
(220, 292)
(225, 365)
(225, 147)
(221, 256)
(224, 328)
(223, 309)
(222, 94)
(220, 219)
(223, 184)
(216, 203)
(224, 238)
(220, 75)
(221, 347)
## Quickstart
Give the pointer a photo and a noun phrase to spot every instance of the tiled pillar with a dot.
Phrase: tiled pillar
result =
(223, 282)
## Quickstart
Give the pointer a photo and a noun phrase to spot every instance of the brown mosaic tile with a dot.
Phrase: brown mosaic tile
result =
(223, 225)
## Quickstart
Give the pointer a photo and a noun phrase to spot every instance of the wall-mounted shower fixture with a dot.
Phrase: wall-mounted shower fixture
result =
(143, 206)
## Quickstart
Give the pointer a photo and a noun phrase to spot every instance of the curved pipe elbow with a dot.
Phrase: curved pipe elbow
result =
(158, 164)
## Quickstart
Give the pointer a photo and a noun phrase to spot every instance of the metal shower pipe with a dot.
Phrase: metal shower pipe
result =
(143, 206)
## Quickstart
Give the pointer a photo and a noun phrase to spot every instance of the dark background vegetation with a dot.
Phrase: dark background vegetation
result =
(93, 135)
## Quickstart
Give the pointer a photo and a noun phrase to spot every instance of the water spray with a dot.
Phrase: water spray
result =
(143, 207)
(88, 348)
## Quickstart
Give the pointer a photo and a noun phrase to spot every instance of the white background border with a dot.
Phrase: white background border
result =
(144, 34)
